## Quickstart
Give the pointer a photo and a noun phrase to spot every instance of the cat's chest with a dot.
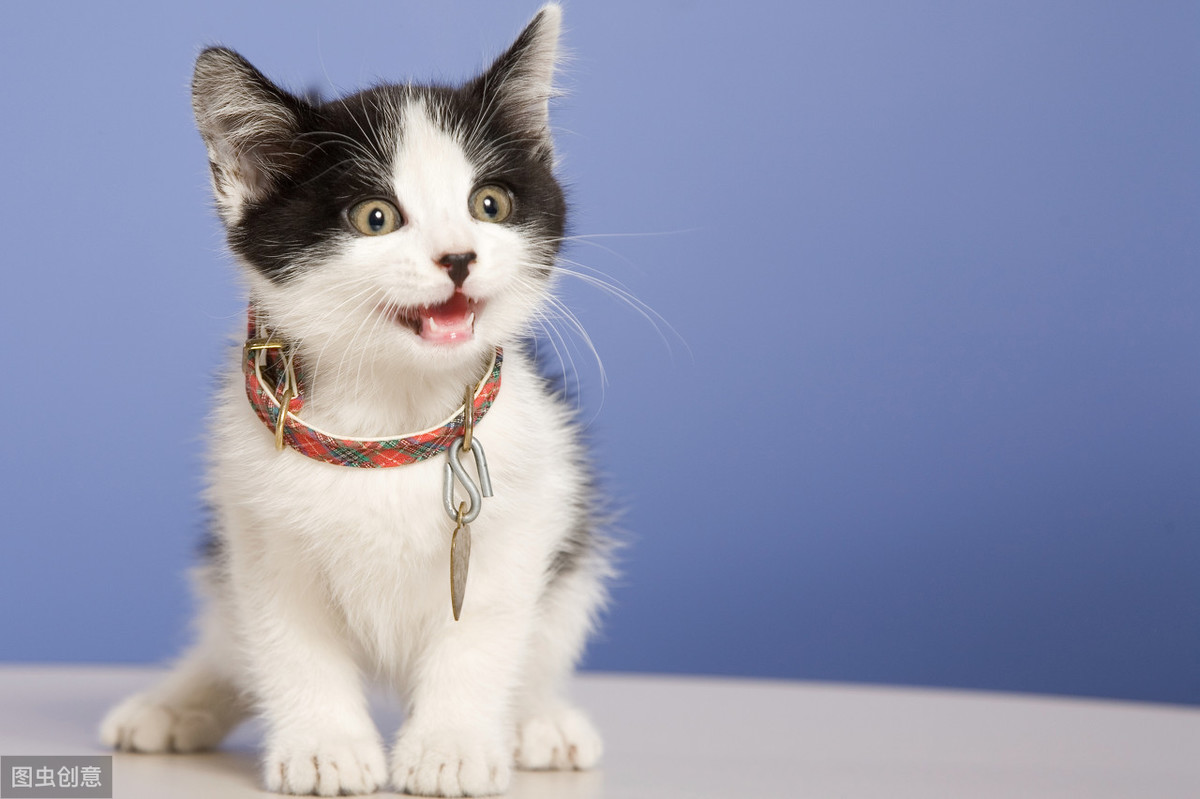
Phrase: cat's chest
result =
(398, 513)
(400, 505)
(394, 520)
(400, 510)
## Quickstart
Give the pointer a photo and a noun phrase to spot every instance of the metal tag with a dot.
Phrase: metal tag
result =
(460, 561)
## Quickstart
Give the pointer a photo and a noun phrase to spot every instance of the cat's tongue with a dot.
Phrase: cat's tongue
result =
(452, 321)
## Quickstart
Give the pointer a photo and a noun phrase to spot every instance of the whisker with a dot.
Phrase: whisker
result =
(361, 298)
(374, 329)
(624, 295)
(546, 324)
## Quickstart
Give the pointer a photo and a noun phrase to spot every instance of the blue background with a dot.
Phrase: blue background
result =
(923, 405)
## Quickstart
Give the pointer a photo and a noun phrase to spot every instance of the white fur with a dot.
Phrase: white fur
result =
(332, 574)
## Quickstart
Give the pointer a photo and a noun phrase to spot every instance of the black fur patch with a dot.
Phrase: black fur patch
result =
(211, 548)
(577, 548)
(342, 153)
(584, 543)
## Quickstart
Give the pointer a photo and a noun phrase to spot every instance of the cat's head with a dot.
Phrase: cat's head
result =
(420, 222)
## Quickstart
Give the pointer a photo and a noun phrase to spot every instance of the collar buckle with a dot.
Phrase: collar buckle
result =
(289, 388)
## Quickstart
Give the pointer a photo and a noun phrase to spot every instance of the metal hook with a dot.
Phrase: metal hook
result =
(475, 493)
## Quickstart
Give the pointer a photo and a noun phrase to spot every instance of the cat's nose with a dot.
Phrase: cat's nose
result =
(457, 265)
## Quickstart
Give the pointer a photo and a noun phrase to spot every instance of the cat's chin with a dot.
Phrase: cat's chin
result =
(447, 324)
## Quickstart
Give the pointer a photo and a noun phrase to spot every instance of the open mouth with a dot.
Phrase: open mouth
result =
(451, 322)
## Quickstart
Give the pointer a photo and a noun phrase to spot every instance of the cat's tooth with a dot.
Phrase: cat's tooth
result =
(471, 320)
(433, 325)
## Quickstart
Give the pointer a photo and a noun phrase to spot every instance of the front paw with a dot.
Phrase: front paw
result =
(450, 763)
(144, 724)
(559, 738)
(326, 767)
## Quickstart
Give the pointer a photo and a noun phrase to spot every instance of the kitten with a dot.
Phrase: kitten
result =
(397, 245)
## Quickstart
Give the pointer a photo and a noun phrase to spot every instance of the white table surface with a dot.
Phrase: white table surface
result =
(671, 737)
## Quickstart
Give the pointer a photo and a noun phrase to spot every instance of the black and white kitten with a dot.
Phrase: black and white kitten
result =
(394, 239)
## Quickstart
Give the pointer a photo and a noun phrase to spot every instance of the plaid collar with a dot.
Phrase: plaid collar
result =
(266, 356)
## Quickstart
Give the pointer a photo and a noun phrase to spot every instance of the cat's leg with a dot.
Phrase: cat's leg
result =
(458, 740)
(195, 706)
(320, 737)
(551, 732)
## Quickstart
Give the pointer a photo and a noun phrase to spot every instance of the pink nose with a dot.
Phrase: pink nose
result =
(457, 265)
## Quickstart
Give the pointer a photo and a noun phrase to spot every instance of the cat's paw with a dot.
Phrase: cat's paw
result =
(143, 724)
(450, 763)
(562, 738)
(330, 767)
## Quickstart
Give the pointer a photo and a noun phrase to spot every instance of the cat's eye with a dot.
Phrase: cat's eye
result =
(491, 203)
(375, 217)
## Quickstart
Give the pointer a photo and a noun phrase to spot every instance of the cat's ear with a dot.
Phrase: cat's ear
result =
(249, 126)
(522, 79)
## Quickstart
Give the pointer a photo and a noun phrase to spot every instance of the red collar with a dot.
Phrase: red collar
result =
(272, 357)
